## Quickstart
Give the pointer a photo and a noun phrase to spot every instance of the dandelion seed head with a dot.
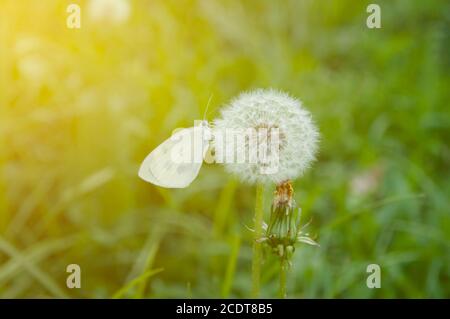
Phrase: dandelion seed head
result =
(270, 109)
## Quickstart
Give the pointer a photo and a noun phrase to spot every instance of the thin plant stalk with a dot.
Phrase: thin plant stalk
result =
(283, 274)
(258, 232)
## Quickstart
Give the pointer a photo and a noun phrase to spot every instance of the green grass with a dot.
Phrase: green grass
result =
(80, 109)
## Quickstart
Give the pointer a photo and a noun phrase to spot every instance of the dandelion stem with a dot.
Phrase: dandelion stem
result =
(257, 253)
(283, 273)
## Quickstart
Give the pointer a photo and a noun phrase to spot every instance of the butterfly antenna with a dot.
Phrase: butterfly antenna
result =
(207, 106)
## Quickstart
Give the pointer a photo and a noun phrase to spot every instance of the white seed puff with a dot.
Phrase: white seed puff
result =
(268, 108)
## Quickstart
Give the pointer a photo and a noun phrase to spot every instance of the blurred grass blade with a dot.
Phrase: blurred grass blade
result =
(32, 269)
(223, 206)
(231, 266)
(121, 292)
(33, 254)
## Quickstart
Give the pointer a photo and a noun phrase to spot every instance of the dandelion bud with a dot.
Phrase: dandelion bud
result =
(283, 230)
(282, 227)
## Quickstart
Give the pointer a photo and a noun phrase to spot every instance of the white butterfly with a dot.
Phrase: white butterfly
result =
(177, 161)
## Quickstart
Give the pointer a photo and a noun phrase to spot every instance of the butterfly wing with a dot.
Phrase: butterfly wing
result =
(177, 161)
